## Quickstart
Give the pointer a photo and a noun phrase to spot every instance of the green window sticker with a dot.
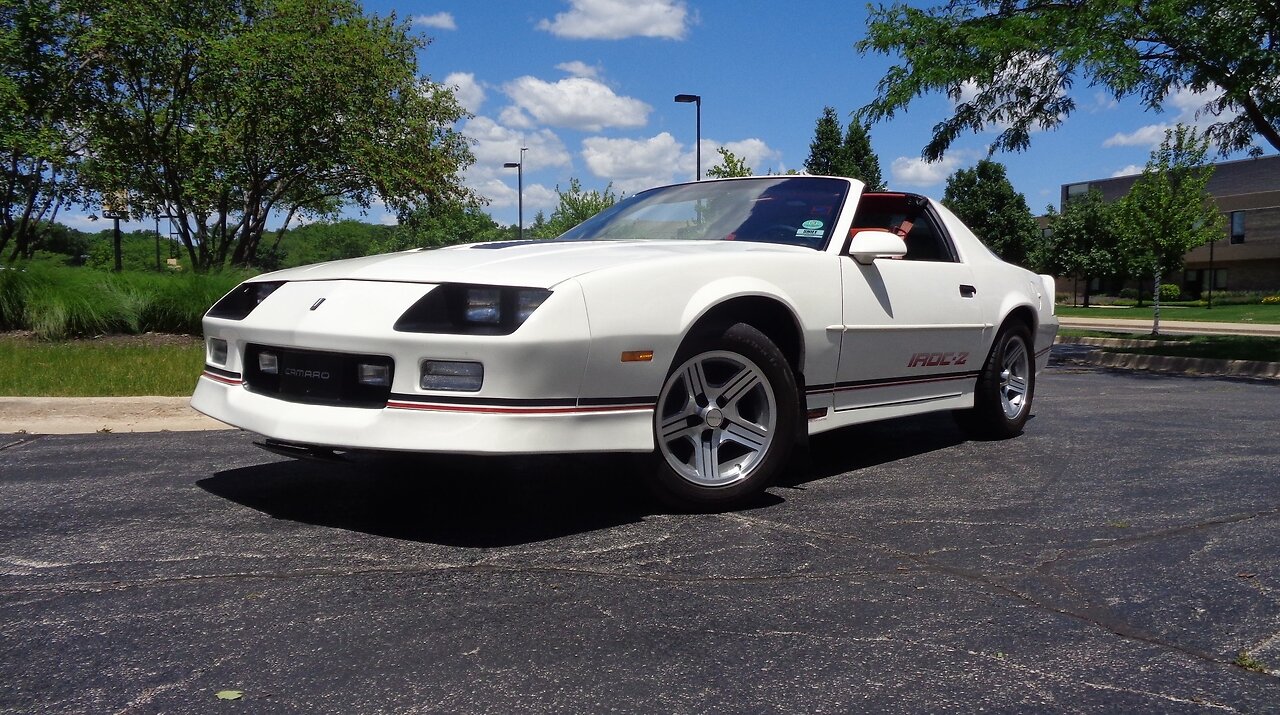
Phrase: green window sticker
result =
(812, 223)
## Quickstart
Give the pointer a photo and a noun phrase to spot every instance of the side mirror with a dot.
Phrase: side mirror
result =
(868, 245)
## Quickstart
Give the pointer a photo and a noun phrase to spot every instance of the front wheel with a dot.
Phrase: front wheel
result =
(1002, 400)
(725, 422)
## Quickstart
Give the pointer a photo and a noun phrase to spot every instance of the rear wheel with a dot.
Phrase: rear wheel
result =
(1002, 401)
(725, 423)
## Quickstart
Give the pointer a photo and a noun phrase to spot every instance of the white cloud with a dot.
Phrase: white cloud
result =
(1129, 170)
(1192, 110)
(503, 193)
(914, 171)
(440, 21)
(755, 152)
(1103, 102)
(1149, 136)
(468, 91)
(578, 68)
(574, 102)
(634, 164)
(496, 145)
(618, 19)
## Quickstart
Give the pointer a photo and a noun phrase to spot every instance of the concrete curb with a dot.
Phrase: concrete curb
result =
(84, 415)
(1167, 363)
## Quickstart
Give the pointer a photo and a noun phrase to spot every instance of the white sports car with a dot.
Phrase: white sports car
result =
(713, 325)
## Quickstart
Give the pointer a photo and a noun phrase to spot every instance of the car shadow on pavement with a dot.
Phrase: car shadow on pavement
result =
(448, 500)
(868, 445)
(503, 501)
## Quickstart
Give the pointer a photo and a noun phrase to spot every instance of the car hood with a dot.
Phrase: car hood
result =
(534, 264)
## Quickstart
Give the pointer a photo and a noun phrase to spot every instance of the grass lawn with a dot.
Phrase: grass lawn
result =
(1218, 314)
(105, 367)
(1218, 347)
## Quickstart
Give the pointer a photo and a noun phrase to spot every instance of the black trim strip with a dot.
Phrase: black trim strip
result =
(590, 401)
(222, 372)
(891, 381)
(486, 401)
(895, 403)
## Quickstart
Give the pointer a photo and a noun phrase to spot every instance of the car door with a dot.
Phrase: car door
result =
(913, 327)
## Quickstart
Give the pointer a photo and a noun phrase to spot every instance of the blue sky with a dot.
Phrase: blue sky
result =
(588, 87)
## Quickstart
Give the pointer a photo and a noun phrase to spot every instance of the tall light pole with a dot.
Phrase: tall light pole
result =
(697, 102)
(170, 219)
(519, 167)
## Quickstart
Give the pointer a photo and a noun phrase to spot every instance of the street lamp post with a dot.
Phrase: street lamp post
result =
(115, 207)
(697, 103)
(1210, 304)
(158, 217)
(519, 167)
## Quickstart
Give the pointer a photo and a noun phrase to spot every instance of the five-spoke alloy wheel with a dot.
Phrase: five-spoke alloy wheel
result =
(726, 419)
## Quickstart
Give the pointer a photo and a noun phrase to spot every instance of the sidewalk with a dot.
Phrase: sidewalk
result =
(1173, 327)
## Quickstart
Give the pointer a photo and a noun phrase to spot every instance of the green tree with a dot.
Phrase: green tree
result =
(226, 112)
(1010, 63)
(1083, 241)
(730, 165)
(576, 205)
(825, 149)
(1169, 210)
(43, 94)
(446, 224)
(327, 241)
(988, 204)
(857, 159)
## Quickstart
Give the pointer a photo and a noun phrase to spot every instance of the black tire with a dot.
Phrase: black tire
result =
(726, 420)
(1002, 400)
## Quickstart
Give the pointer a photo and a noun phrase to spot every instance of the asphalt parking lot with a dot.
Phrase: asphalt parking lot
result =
(1118, 557)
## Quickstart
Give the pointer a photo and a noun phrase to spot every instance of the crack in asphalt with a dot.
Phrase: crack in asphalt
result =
(1084, 610)
(111, 585)
(20, 441)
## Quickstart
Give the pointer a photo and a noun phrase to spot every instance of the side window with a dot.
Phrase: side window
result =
(908, 216)
(927, 242)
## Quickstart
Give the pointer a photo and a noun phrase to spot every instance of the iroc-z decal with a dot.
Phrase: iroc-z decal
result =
(936, 359)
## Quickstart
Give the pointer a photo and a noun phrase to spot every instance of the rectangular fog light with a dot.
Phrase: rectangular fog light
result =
(218, 351)
(375, 375)
(269, 363)
(451, 375)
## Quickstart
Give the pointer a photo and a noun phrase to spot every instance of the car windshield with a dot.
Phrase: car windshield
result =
(792, 210)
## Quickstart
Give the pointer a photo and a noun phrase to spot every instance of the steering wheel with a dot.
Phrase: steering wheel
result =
(778, 233)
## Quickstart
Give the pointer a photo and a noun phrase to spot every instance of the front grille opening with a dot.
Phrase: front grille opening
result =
(318, 378)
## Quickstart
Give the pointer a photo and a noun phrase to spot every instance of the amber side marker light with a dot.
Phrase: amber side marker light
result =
(637, 356)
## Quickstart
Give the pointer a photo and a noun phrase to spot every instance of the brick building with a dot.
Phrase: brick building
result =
(1247, 257)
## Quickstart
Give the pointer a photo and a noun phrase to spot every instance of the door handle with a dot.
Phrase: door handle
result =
(967, 291)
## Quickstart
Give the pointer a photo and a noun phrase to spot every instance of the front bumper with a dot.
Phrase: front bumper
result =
(523, 427)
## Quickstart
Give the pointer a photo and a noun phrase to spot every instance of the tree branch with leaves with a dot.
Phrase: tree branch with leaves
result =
(1011, 64)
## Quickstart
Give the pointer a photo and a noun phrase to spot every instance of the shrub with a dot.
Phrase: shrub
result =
(1169, 291)
(1129, 293)
(1237, 297)
(58, 302)
(1271, 300)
